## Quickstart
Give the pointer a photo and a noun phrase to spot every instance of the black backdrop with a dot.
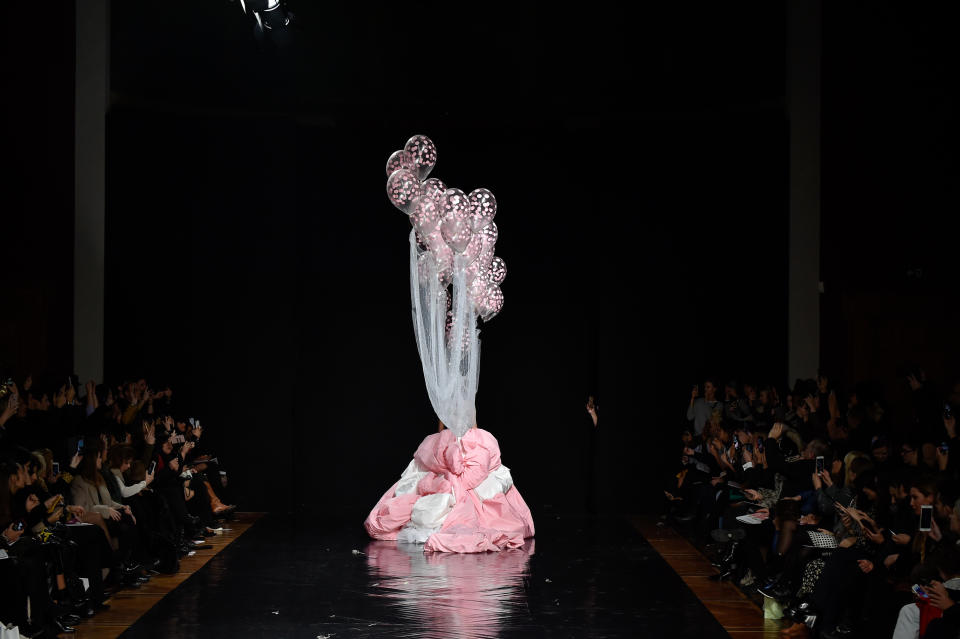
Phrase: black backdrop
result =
(639, 159)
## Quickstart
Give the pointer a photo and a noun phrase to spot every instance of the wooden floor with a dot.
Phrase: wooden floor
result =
(128, 605)
(740, 617)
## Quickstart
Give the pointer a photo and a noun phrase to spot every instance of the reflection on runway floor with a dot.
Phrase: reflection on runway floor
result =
(286, 577)
(447, 594)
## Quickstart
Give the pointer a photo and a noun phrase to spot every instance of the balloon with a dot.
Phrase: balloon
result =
(483, 208)
(456, 204)
(492, 303)
(455, 226)
(472, 252)
(488, 235)
(456, 233)
(425, 215)
(423, 153)
(399, 160)
(433, 189)
(488, 299)
(443, 255)
(498, 270)
(402, 189)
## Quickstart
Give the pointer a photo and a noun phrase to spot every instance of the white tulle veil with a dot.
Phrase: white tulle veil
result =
(445, 326)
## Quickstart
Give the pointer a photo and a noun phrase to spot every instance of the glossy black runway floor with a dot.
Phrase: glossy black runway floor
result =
(577, 578)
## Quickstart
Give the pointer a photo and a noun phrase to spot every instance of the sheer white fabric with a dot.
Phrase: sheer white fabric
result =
(449, 348)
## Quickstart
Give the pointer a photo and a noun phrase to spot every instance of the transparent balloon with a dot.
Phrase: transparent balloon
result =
(456, 233)
(472, 252)
(423, 153)
(498, 270)
(456, 204)
(425, 216)
(399, 160)
(488, 299)
(483, 208)
(403, 189)
(433, 189)
(489, 235)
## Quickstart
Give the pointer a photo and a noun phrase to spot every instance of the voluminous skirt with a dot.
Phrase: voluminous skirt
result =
(454, 496)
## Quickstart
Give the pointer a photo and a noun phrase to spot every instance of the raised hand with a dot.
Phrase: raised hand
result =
(939, 596)
(776, 431)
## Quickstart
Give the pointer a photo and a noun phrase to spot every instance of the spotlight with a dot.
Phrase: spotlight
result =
(270, 16)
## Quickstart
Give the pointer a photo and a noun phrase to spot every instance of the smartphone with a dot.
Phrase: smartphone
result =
(920, 592)
(947, 411)
(926, 517)
(56, 468)
(819, 464)
(17, 527)
(748, 448)
(944, 448)
(736, 441)
(153, 467)
(80, 446)
(759, 445)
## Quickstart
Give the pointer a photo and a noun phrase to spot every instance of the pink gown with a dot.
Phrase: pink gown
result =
(455, 496)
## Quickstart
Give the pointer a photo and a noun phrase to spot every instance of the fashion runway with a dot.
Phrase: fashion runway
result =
(290, 578)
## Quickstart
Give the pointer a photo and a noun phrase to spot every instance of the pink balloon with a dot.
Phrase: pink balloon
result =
(433, 189)
(488, 235)
(498, 270)
(423, 153)
(492, 304)
(455, 204)
(399, 160)
(475, 270)
(483, 208)
(402, 189)
(425, 215)
(456, 233)
(488, 299)
(472, 252)
(455, 226)
(443, 255)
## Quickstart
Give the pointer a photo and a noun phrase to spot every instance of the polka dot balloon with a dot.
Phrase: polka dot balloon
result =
(483, 208)
(423, 153)
(399, 160)
(402, 189)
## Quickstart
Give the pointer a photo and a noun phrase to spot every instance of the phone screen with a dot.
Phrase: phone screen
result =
(56, 468)
(926, 517)
(819, 464)
(80, 445)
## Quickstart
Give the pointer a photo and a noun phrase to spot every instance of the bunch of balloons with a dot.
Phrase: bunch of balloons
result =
(449, 223)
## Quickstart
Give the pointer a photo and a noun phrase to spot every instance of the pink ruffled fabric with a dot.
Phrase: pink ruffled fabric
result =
(474, 525)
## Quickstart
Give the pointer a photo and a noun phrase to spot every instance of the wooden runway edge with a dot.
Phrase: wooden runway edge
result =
(129, 605)
(738, 615)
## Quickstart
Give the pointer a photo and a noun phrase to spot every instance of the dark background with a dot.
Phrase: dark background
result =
(640, 161)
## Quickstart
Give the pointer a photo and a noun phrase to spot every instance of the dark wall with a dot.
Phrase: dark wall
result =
(36, 217)
(890, 189)
(639, 162)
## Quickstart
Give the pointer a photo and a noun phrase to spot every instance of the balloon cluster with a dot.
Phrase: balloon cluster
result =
(449, 223)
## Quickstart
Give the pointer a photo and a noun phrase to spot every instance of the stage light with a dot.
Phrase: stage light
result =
(270, 16)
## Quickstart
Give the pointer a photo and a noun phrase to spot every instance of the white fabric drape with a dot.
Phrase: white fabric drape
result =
(449, 346)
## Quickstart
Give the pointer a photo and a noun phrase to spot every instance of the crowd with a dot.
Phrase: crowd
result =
(101, 488)
(824, 504)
